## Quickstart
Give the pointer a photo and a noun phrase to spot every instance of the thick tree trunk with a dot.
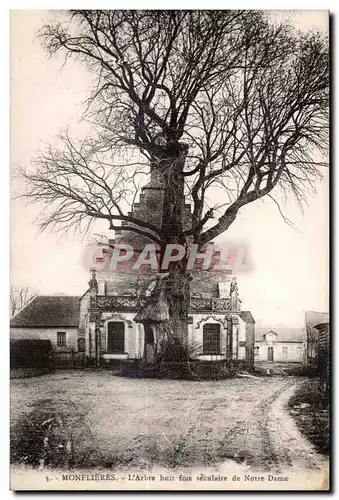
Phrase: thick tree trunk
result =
(176, 284)
(177, 293)
(167, 308)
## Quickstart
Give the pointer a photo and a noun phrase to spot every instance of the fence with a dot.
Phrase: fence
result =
(67, 360)
(324, 356)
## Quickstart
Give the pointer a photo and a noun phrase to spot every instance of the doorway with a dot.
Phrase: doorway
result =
(270, 354)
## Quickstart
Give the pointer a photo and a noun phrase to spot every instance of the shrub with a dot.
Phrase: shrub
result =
(31, 353)
(310, 408)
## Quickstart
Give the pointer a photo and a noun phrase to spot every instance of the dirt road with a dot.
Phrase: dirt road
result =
(118, 422)
(265, 435)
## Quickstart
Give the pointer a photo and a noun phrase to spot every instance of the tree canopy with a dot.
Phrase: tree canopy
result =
(212, 100)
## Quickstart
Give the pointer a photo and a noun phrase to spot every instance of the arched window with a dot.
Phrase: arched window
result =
(211, 338)
(116, 337)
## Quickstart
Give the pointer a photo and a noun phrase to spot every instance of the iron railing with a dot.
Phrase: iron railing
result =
(133, 303)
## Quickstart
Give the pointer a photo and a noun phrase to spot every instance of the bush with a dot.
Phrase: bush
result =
(178, 370)
(310, 408)
(55, 435)
(173, 350)
(31, 353)
(304, 371)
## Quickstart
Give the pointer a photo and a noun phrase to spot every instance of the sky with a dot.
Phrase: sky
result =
(289, 266)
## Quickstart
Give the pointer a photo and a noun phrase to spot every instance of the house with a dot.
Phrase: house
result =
(324, 355)
(216, 325)
(279, 344)
(54, 318)
(316, 322)
(318, 354)
(104, 325)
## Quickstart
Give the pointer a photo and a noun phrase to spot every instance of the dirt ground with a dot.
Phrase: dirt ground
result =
(101, 419)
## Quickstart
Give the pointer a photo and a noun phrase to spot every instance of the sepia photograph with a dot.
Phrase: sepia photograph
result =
(169, 298)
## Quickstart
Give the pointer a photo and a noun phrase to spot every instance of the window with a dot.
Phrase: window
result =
(116, 337)
(299, 352)
(284, 352)
(256, 351)
(211, 339)
(61, 339)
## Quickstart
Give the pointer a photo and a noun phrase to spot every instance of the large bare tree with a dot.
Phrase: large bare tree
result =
(212, 100)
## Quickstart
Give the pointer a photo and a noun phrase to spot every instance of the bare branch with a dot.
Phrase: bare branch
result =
(211, 99)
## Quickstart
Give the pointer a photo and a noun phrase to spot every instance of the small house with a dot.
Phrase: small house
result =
(279, 345)
(49, 317)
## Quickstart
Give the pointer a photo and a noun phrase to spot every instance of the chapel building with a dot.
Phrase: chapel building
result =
(217, 325)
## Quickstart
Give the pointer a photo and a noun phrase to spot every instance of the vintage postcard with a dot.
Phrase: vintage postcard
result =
(169, 250)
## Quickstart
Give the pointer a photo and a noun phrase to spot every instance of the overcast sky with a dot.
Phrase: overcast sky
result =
(289, 272)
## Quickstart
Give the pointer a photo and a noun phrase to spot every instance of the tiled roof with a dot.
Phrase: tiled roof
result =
(283, 334)
(49, 311)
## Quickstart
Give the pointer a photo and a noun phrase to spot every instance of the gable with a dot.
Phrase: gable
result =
(270, 336)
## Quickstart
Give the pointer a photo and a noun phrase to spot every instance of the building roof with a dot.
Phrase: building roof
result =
(49, 311)
(247, 316)
(313, 318)
(283, 334)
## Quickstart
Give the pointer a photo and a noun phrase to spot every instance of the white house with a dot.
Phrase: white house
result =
(279, 344)
(104, 325)
(218, 327)
(49, 317)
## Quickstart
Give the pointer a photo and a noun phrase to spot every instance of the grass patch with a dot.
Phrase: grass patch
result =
(179, 370)
(310, 408)
(55, 434)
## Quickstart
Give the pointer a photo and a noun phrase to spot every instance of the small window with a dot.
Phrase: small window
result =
(256, 351)
(61, 339)
(284, 352)
(211, 338)
(299, 352)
